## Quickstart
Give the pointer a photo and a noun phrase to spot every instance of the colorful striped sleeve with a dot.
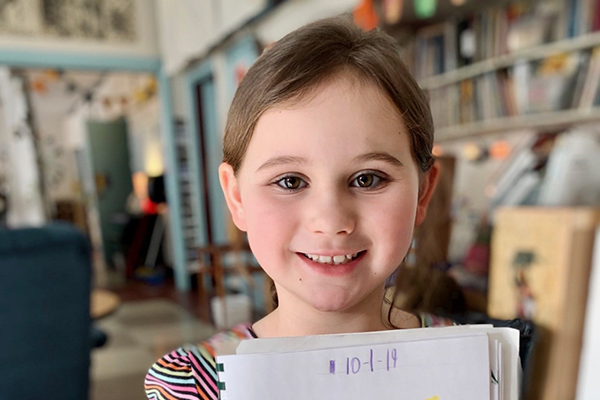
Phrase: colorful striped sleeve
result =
(430, 320)
(189, 373)
(183, 374)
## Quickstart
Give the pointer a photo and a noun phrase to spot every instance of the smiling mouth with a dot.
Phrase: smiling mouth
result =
(334, 260)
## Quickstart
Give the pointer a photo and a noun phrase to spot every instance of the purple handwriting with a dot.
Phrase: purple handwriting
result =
(355, 364)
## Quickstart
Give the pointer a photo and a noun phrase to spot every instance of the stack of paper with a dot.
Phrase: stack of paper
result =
(475, 362)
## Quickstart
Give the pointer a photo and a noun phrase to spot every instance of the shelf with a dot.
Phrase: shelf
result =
(550, 120)
(493, 64)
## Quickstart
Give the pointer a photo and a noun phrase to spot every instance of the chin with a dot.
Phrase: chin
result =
(330, 303)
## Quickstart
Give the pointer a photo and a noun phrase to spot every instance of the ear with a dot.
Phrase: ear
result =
(231, 190)
(426, 188)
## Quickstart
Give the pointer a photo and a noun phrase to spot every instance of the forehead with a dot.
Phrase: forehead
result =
(342, 112)
(346, 81)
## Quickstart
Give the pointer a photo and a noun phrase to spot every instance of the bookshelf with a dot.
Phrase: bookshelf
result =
(503, 69)
(538, 96)
(505, 61)
(541, 121)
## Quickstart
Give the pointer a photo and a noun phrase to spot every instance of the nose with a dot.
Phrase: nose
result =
(331, 212)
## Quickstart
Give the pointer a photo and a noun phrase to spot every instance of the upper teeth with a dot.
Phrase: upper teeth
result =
(341, 259)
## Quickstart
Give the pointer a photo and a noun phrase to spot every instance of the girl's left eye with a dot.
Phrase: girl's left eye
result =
(367, 180)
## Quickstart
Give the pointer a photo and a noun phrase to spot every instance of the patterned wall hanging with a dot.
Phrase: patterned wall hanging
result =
(103, 20)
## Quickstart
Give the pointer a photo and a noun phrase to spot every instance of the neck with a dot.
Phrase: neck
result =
(295, 318)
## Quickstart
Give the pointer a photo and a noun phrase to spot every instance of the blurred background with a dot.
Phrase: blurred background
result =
(116, 246)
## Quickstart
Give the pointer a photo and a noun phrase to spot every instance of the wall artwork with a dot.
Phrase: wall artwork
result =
(103, 20)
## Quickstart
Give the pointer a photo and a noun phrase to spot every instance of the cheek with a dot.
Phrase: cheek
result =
(394, 224)
(270, 225)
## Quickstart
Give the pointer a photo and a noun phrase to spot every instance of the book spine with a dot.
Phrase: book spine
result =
(596, 16)
(591, 83)
(450, 46)
(581, 78)
(521, 76)
(573, 18)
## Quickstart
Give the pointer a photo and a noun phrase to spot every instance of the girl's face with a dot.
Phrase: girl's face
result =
(329, 195)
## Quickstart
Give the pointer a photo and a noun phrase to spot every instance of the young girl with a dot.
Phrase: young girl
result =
(328, 168)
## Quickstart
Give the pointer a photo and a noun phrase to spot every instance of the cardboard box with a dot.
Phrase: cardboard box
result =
(540, 268)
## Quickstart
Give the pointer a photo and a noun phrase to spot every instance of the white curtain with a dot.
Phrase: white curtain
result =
(25, 202)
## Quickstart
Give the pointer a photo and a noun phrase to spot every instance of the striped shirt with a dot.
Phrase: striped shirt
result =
(190, 373)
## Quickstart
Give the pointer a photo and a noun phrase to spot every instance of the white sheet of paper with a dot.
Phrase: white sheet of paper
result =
(502, 391)
(508, 337)
(494, 358)
(509, 376)
(452, 368)
(314, 342)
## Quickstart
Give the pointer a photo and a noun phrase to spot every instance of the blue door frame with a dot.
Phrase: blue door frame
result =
(241, 53)
(199, 85)
(66, 60)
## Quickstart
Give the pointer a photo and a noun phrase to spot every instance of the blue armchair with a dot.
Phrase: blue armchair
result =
(45, 320)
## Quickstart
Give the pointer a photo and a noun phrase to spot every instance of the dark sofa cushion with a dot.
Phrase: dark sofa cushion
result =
(45, 321)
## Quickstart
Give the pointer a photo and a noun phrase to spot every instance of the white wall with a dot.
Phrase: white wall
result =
(187, 29)
(295, 13)
(284, 19)
(190, 28)
(145, 45)
(233, 13)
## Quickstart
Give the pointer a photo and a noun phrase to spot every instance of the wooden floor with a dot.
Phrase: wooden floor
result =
(132, 290)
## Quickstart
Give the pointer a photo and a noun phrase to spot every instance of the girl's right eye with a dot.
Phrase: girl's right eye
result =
(290, 183)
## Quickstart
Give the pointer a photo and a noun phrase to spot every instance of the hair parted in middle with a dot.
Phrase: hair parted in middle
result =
(296, 65)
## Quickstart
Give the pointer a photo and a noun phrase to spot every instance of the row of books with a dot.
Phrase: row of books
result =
(558, 82)
(498, 31)
(580, 17)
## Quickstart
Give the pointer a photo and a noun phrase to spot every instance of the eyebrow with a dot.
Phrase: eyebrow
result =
(379, 156)
(373, 156)
(283, 160)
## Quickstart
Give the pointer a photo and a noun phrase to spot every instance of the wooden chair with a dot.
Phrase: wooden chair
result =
(216, 271)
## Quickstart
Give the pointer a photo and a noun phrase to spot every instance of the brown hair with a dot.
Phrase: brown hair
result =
(295, 65)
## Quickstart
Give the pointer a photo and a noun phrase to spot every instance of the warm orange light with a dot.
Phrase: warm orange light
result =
(500, 150)
(472, 152)
(39, 86)
(392, 10)
(153, 160)
(52, 75)
(140, 185)
(365, 15)
(438, 150)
